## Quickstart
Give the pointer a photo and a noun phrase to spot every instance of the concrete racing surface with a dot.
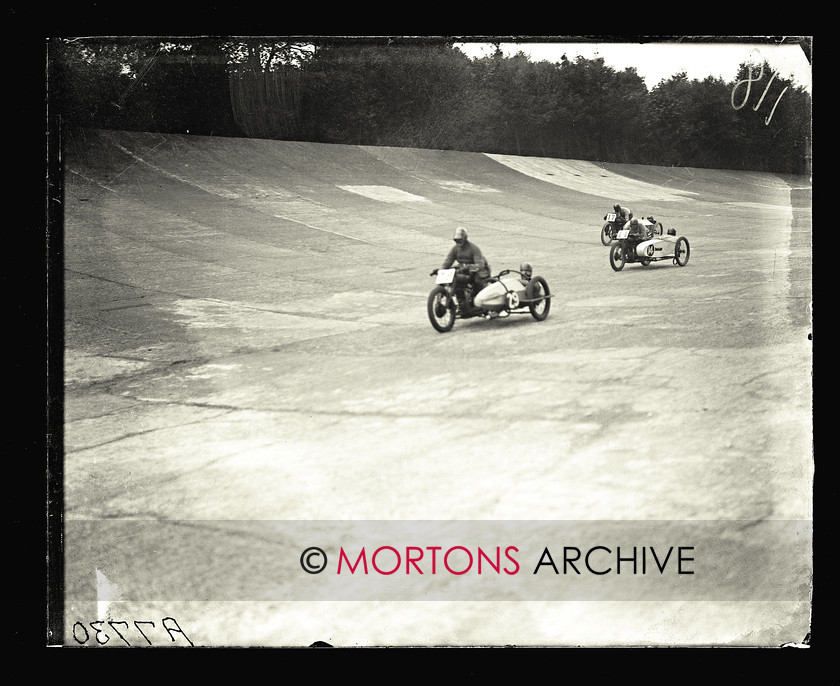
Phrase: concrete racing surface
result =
(246, 342)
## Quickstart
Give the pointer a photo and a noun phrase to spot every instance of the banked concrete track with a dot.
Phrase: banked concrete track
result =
(246, 341)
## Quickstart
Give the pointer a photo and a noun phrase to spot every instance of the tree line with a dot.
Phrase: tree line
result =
(430, 95)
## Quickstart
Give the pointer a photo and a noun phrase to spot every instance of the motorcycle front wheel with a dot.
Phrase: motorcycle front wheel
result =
(441, 309)
(618, 257)
(606, 234)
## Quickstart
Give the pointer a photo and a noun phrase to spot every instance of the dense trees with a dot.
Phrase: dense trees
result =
(141, 84)
(430, 95)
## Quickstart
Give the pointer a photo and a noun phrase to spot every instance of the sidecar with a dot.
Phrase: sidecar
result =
(655, 245)
(509, 292)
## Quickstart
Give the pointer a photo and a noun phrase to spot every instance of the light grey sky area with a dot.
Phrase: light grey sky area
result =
(657, 61)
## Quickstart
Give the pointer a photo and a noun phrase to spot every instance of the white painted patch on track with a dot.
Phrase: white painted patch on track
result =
(464, 187)
(588, 177)
(384, 193)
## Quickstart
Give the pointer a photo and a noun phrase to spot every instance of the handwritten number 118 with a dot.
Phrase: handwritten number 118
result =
(749, 81)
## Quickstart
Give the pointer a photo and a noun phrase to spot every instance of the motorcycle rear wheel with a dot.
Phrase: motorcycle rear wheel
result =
(441, 309)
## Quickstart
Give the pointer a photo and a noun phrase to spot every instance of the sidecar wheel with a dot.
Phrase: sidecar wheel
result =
(538, 290)
(441, 310)
(606, 235)
(618, 257)
(682, 251)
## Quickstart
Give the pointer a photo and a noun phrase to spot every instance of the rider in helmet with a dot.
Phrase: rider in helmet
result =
(468, 254)
(622, 213)
(525, 271)
(637, 228)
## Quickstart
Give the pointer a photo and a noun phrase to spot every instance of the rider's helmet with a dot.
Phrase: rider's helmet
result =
(525, 270)
(617, 207)
(460, 235)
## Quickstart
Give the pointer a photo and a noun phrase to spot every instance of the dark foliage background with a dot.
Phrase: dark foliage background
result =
(429, 95)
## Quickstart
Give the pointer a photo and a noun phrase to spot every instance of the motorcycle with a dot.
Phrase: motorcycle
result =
(509, 292)
(652, 245)
(611, 228)
(614, 224)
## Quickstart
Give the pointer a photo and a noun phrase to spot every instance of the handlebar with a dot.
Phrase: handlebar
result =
(461, 268)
